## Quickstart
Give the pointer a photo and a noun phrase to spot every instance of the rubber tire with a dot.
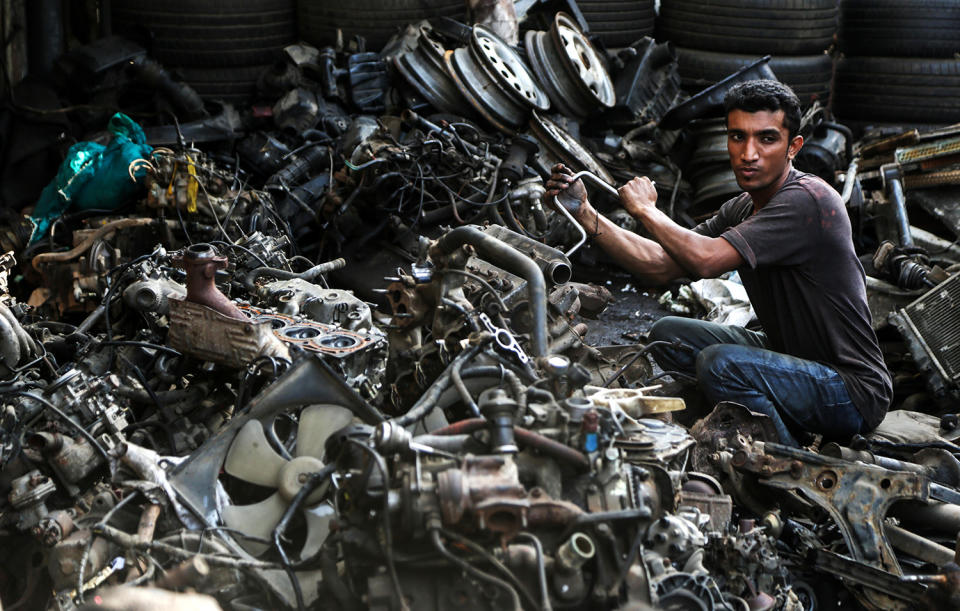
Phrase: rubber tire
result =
(900, 28)
(375, 20)
(808, 75)
(618, 23)
(787, 27)
(898, 89)
(208, 34)
(236, 85)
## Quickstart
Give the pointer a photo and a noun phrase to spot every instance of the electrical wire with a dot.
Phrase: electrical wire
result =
(387, 534)
(63, 416)
(472, 570)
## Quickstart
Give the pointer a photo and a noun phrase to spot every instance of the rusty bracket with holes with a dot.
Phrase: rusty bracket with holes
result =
(857, 496)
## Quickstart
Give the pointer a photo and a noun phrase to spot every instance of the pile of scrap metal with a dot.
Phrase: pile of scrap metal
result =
(332, 356)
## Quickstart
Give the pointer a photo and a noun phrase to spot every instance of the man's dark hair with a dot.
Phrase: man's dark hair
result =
(754, 96)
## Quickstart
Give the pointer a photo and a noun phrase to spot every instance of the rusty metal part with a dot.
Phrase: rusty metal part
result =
(718, 506)
(65, 558)
(145, 531)
(207, 334)
(313, 336)
(201, 263)
(721, 428)
(856, 496)
(931, 179)
(488, 490)
(557, 144)
(511, 259)
(27, 496)
(76, 251)
(54, 527)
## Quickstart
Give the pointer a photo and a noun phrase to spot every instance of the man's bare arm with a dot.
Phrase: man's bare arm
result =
(699, 255)
(642, 257)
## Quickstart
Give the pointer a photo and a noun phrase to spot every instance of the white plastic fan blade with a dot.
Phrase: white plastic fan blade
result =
(252, 459)
(318, 527)
(317, 423)
(257, 520)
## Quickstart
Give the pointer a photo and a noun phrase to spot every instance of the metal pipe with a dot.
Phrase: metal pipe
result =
(943, 517)
(566, 213)
(512, 261)
(894, 187)
(201, 263)
(849, 181)
(249, 280)
(917, 546)
(81, 248)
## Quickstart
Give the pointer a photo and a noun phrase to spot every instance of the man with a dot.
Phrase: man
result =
(816, 366)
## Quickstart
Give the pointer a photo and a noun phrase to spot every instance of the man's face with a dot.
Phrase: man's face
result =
(760, 149)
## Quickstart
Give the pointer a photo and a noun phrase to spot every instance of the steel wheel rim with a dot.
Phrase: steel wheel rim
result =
(570, 69)
(582, 59)
(424, 70)
(507, 69)
(543, 67)
(456, 62)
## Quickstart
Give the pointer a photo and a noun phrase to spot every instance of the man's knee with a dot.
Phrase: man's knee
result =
(713, 365)
(668, 329)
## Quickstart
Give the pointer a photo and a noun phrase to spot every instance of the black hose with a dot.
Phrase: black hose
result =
(472, 570)
(513, 261)
(428, 401)
(63, 416)
(334, 583)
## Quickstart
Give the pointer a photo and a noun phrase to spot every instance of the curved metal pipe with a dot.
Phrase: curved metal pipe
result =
(250, 279)
(514, 262)
(78, 250)
(583, 232)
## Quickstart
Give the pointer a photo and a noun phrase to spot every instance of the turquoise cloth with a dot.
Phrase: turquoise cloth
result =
(93, 175)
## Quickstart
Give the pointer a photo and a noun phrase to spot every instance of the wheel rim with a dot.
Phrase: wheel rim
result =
(494, 80)
(564, 147)
(424, 71)
(570, 69)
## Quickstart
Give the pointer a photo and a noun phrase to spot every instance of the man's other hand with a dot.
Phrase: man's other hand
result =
(570, 193)
(637, 195)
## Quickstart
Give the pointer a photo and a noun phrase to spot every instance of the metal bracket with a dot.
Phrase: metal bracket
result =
(856, 496)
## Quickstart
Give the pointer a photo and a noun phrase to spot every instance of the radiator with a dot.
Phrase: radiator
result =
(934, 321)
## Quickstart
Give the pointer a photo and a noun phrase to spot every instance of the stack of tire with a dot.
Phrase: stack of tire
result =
(899, 61)
(715, 38)
(219, 47)
(618, 23)
(375, 20)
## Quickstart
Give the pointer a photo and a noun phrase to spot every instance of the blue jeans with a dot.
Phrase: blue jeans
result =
(733, 364)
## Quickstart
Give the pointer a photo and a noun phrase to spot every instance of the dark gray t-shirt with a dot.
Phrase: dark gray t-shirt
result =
(807, 285)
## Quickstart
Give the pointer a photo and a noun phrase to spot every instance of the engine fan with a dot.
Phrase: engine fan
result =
(252, 459)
